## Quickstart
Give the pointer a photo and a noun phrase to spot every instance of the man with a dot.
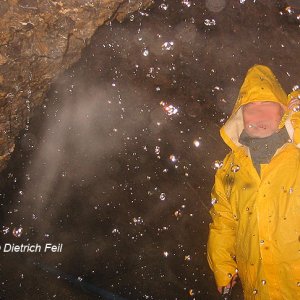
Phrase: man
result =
(255, 233)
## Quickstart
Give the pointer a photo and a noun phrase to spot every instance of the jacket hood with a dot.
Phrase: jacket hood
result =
(260, 84)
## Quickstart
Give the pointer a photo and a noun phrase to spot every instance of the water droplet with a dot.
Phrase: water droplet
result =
(298, 283)
(166, 254)
(263, 282)
(255, 291)
(157, 150)
(162, 196)
(229, 275)
(217, 164)
(296, 87)
(296, 108)
(235, 168)
(209, 22)
(214, 201)
(5, 230)
(17, 232)
(187, 257)
(178, 214)
(261, 242)
(163, 6)
(196, 143)
(191, 292)
(138, 221)
(145, 52)
(21, 193)
(167, 46)
(170, 109)
(289, 10)
(116, 231)
(186, 2)
(173, 158)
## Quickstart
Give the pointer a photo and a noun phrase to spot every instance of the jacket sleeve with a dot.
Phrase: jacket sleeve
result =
(222, 234)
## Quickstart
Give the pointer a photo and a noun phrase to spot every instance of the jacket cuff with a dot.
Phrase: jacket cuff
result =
(223, 277)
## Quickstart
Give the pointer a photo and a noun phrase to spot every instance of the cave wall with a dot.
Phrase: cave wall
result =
(39, 39)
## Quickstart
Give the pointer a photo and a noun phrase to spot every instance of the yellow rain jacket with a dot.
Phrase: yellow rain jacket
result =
(256, 218)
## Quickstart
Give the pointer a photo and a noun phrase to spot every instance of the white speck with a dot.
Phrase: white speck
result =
(296, 87)
(5, 230)
(167, 46)
(166, 254)
(157, 150)
(196, 143)
(209, 22)
(173, 158)
(163, 6)
(186, 2)
(296, 108)
(138, 221)
(218, 164)
(17, 232)
(145, 52)
(235, 168)
(116, 231)
(214, 201)
(162, 196)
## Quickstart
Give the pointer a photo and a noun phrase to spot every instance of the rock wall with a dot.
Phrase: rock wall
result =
(39, 39)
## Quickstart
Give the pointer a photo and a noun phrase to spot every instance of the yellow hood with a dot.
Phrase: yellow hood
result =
(260, 84)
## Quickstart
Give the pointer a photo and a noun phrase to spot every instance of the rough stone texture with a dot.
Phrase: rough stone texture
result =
(39, 39)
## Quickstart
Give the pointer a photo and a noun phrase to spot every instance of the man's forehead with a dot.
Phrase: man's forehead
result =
(261, 103)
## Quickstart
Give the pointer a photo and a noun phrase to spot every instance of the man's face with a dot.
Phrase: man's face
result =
(261, 119)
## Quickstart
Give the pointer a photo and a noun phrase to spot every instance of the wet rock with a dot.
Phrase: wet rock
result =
(38, 41)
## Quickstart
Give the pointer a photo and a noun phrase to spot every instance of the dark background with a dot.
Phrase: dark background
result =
(107, 170)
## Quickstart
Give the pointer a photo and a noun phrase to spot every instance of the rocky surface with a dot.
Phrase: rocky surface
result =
(38, 41)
